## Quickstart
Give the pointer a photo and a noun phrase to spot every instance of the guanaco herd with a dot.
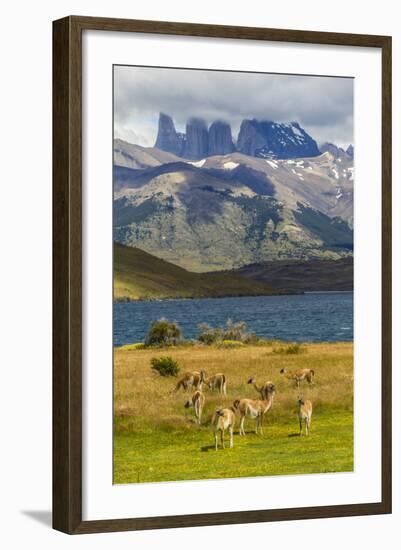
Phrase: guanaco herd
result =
(223, 419)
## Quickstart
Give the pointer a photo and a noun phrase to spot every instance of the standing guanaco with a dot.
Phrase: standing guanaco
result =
(223, 419)
(255, 408)
(197, 402)
(304, 414)
(217, 382)
(262, 390)
(298, 375)
(191, 380)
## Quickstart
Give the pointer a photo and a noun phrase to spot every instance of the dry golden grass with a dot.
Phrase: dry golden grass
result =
(140, 393)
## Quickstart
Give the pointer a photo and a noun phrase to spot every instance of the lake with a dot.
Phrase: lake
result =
(311, 317)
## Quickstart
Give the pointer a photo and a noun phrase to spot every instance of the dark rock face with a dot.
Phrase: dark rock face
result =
(167, 138)
(197, 139)
(220, 139)
(350, 151)
(267, 139)
(337, 152)
(249, 138)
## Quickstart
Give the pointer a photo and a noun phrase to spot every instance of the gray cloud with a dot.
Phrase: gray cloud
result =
(322, 105)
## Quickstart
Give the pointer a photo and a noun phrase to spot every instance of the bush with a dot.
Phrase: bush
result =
(231, 344)
(163, 333)
(165, 366)
(209, 335)
(132, 347)
(292, 349)
(233, 332)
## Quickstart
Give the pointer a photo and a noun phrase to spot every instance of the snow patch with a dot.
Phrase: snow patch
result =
(272, 164)
(297, 131)
(198, 163)
(230, 165)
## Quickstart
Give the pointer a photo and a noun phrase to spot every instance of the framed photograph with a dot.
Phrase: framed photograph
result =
(222, 275)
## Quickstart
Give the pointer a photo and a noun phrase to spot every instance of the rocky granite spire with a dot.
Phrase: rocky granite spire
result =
(197, 139)
(249, 139)
(220, 138)
(167, 138)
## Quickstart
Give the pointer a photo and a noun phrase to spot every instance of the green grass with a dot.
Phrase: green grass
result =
(139, 276)
(167, 456)
(156, 438)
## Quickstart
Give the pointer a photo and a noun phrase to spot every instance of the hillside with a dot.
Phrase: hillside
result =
(226, 211)
(139, 275)
(302, 276)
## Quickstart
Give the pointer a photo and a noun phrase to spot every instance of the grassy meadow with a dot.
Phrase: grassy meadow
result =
(156, 438)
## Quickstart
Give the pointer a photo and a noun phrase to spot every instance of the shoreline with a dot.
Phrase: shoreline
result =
(189, 298)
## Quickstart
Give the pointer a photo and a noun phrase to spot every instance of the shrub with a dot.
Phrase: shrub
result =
(165, 366)
(163, 333)
(132, 347)
(292, 349)
(231, 344)
(233, 332)
(209, 335)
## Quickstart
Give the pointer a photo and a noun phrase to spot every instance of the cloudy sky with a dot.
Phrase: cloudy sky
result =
(322, 105)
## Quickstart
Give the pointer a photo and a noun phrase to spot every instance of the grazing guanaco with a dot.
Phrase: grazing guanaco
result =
(304, 414)
(255, 408)
(223, 419)
(262, 390)
(191, 380)
(197, 402)
(217, 382)
(298, 375)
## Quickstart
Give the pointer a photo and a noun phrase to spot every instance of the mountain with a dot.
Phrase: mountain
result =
(196, 140)
(264, 139)
(337, 152)
(137, 157)
(267, 139)
(220, 139)
(302, 276)
(350, 151)
(226, 211)
(139, 275)
(167, 138)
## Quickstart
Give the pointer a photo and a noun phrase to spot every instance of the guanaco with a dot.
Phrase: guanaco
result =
(298, 375)
(262, 390)
(223, 419)
(255, 408)
(191, 380)
(217, 382)
(304, 415)
(197, 402)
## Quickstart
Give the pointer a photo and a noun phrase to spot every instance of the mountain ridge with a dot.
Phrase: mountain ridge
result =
(259, 138)
(226, 211)
(139, 275)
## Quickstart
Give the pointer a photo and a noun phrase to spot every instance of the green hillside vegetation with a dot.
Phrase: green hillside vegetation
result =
(141, 276)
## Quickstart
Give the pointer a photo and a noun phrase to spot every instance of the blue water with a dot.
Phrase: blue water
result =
(314, 317)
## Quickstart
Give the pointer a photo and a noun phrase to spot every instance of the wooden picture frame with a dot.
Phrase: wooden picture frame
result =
(67, 274)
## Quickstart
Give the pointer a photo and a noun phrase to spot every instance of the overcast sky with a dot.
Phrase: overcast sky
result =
(323, 106)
